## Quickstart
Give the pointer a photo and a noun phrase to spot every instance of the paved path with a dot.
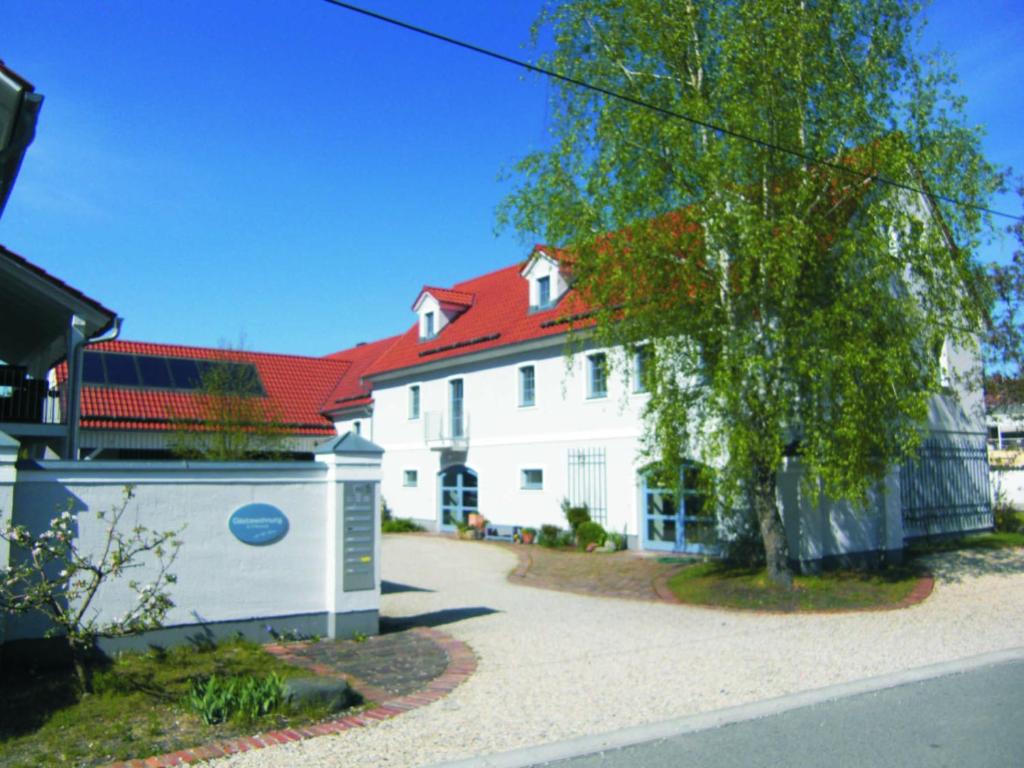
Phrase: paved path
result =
(555, 665)
(966, 719)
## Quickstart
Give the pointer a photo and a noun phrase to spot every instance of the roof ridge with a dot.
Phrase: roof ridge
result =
(158, 344)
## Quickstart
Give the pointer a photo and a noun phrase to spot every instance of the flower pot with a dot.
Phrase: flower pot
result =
(476, 520)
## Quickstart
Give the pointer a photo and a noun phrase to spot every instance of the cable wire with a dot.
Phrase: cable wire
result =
(720, 129)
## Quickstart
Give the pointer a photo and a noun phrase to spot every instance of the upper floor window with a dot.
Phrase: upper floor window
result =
(527, 394)
(414, 401)
(641, 367)
(410, 478)
(543, 291)
(597, 375)
(428, 325)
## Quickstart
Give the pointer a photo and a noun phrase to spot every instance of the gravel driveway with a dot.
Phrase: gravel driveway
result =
(554, 665)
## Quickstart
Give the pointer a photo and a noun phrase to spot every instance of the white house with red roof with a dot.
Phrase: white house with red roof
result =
(479, 409)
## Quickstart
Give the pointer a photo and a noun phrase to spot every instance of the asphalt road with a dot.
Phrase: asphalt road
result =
(974, 718)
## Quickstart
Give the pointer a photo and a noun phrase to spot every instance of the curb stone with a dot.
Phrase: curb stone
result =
(461, 665)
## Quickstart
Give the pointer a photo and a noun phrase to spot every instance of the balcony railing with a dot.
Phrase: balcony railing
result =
(28, 401)
(446, 431)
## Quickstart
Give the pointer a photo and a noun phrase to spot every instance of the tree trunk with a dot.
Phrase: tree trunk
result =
(772, 533)
(80, 658)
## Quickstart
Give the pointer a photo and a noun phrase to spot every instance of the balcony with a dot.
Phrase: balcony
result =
(28, 407)
(446, 431)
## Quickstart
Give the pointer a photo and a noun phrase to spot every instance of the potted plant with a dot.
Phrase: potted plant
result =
(476, 520)
(463, 529)
(529, 534)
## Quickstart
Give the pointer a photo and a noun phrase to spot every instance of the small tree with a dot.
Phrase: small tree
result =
(53, 576)
(234, 420)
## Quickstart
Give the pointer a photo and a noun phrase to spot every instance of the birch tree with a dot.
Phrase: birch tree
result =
(794, 305)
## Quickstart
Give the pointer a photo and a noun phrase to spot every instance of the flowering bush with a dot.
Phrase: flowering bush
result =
(54, 577)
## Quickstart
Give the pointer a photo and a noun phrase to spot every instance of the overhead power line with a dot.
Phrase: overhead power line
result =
(720, 129)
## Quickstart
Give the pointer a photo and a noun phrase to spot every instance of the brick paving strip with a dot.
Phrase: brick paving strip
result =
(408, 670)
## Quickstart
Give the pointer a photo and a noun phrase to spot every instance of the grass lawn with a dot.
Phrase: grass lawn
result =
(137, 709)
(722, 585)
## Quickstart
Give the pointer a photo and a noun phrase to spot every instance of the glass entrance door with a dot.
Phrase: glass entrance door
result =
(686, 526)
(458, 495)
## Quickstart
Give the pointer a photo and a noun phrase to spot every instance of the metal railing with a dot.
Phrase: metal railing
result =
(30, 401)
(446, 430)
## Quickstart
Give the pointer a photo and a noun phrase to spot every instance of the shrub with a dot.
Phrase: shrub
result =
(219, 699)
(575, 516)
(399, 525)
(617, 539)
(550, 536)
(590, 532)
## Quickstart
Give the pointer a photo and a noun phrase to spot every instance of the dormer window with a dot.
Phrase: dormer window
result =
(546, 281)
(437, 307)
(543, 291)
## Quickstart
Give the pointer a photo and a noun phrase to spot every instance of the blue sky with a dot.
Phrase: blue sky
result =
(291, 174)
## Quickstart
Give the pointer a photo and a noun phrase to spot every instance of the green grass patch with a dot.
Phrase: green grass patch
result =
(718, 584)
(139, 707)
(399, 525)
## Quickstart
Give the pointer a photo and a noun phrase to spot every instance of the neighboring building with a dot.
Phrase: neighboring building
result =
(479, 409)
(137, 395)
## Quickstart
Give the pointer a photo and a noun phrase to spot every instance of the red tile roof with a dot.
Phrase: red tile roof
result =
(352, 391)
(499, 316)
(447, 296)
(296, 388)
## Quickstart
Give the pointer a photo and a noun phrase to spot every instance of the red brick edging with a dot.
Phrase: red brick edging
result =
(461, 664)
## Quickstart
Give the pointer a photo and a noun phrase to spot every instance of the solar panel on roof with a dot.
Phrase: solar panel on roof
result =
(121, 370)
(185, 372)
(92, 368)
(154, 371)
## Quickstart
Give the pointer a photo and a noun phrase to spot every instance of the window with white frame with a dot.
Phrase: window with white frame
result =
(428, 325)
(531, 479)
(641, 366)
(414, 401)
(527, 387)
(410, 478)
(597, 375)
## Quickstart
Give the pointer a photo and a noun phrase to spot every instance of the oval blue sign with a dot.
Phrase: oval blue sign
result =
(258, 524)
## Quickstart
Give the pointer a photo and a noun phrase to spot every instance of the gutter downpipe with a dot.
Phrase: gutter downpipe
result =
(77, 342)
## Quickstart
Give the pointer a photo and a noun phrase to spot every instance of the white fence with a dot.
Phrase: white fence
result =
(322, 576)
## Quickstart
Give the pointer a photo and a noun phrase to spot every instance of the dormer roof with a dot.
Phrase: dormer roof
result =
(446, 297)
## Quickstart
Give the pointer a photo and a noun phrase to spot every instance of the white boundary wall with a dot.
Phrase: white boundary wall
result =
(223, 585)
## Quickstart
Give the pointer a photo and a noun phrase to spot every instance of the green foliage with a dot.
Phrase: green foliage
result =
(618, 540)
(550, 536)
(49, 573)
(231, 418)
(575, 515)
(589, 533)
(784, 302)
(1007, 519)
(400, 525)
(245, 699)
